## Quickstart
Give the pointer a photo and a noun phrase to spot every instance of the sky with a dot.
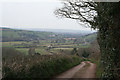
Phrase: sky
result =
(26, 14)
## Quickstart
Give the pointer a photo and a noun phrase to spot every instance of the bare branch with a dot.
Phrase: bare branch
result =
(81, 11)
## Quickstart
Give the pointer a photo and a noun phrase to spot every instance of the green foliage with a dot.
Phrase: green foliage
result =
(100, 70)
(108, 23)
(8, 53)
(74, 51)
(38, 66)
(90, 37)
(85, 54)
(23, 50)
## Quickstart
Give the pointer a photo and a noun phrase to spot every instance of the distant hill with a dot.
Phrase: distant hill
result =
(90, 37)
(82, 32)
(24, 35)
(9, 34)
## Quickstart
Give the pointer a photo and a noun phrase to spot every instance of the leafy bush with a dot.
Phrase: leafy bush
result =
(38, 66)
(85, 54)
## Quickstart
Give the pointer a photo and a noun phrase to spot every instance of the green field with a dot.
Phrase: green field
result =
(42, 47)
(42, 51)
(23, 50)
(23, 40)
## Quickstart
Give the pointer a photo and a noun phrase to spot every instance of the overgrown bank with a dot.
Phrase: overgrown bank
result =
(38, 66)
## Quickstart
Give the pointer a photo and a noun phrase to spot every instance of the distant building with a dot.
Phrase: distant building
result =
(52, 35)
(49, 46)
(69, 38)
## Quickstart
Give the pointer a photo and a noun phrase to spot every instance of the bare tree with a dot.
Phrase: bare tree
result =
(82, 11)
(104, 16)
